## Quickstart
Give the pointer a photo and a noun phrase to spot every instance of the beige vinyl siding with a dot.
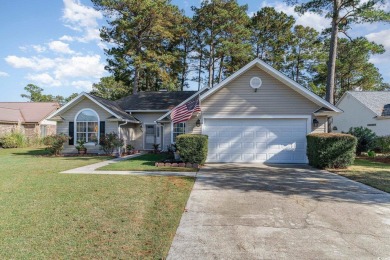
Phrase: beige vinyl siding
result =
(69, 116)
(273, 98)
(322, 125)
(191, 128)
(149, 118)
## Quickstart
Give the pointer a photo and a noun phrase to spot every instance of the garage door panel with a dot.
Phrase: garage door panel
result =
(256, 140)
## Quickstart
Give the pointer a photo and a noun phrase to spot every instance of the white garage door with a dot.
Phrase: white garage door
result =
(256, 140)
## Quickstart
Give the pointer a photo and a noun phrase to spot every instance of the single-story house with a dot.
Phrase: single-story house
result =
(27, 117)
(255, 115)
(369, 109)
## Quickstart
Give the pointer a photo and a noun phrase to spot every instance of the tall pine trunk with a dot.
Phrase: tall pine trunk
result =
(330, 81)
(136, 79)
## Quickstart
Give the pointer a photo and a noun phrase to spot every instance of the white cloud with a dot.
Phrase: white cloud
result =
(80, 66)
(35, 63)
(66, 38)
(61, 47)
(381, 37)
(82, 84)
(311, 19)
(3, 74)
(83, 19)
(39, 48)
(44, 79)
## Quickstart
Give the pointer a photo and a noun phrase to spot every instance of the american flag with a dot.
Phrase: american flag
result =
(184, 112)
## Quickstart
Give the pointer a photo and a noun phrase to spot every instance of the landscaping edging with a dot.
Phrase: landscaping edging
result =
(184, 165)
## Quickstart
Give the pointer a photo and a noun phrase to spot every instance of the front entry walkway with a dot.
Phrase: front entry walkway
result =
(281, 212)
(93, 169)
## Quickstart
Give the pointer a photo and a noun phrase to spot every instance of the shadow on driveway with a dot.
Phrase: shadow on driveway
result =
(288, 180)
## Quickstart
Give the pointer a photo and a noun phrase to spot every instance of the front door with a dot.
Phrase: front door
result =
(153, 135)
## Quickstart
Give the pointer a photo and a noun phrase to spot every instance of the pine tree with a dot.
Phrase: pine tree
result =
(142, 33)
(344, 13)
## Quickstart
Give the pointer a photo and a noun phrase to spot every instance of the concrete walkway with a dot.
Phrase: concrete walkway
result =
(92, 169)
(281, 212)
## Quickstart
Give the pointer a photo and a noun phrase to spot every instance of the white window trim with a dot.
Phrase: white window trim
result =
(185, 130)
(75, 126)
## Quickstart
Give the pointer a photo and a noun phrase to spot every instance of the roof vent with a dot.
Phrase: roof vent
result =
(255, 83)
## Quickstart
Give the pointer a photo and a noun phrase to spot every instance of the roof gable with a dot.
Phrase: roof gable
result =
(375, 101)
(279, 76)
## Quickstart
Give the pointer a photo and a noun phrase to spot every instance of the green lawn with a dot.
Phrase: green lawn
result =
(47, 215)
(144, 162)
(375, 174)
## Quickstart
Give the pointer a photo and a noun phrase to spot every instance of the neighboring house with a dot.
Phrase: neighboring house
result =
(370, 109)
(255, 115)
(27, 117)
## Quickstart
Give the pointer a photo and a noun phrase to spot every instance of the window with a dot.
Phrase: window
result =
(178, 129)
(87, 126)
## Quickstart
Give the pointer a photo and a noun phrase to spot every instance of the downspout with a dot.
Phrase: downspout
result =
(119, 132)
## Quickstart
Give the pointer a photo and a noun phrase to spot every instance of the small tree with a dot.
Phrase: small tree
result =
(55, 143)
(383, 144)
(365, 136)
(109, 142)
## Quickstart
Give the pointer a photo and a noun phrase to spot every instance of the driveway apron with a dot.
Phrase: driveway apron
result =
(255, 211)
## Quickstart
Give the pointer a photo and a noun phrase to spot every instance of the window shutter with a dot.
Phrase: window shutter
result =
(102, 128)
(71, 133)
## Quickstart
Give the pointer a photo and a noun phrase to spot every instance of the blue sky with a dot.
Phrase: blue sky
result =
(56, 44)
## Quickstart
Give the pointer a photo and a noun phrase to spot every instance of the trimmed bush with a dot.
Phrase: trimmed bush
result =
(55, 143)
(192, 148)
(365, 138)
(331, 150)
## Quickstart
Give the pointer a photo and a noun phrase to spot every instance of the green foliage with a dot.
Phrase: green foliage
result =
(35, 95)
(331, 150)
(382, 143)
(222, 38)
(80, 145)
(146, 38)
(55, 143)
(192, 148)
(15, 139)
(371, 153)
(110, 88)
(353, 67)
(366, 138)
(271, 35)
(109, 142)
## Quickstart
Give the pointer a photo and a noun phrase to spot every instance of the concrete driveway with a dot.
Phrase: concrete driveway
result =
(281, 212)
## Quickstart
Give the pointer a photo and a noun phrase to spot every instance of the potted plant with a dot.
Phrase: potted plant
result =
(80, 147)
(129, 149)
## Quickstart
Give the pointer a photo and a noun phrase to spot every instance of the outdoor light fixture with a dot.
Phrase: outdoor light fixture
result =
(335, 128)
(315, 122)
(197, 123)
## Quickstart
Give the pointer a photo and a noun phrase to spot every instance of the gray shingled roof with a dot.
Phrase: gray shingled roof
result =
(114, 107)
(374, 100)
(154, 100)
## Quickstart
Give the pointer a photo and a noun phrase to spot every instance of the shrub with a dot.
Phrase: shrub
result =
(331, 150)
(109, 142)
(371, 154)
(14, 140)
(382, 144)
(55, 143)
(365, 138)
(192, 148)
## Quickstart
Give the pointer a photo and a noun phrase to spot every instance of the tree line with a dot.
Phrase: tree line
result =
(153, 45)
